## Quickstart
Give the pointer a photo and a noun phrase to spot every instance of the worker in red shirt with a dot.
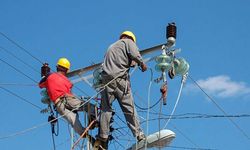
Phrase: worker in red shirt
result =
(59, 90)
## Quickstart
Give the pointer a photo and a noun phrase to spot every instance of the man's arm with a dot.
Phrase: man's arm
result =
(134, 54)
(42, 83)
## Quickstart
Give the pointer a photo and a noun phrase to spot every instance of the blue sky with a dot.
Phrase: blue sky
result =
(213, 35)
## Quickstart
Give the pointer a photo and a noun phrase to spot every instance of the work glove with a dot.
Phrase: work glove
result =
(144, 67)
(133, 63)
(45, 70)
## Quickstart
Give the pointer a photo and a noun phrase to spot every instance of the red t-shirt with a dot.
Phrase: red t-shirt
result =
(57, 85)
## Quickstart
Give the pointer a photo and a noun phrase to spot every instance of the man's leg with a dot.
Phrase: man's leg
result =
(104, 119)
(71, 117)
(126, 101)
(106, 113)
(73, 103)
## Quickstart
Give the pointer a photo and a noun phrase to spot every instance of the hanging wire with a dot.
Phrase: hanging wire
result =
(186, 137)
(27, 52)
(22, 48)
(189, 148)
(148, 109)
(220, 108)
(19, 47)
(205, 116)
(21, 98)
(13, 55)
(159, 120)
(176, 103)
(53, 140)
(17, 84)
(122, 128)
(119, 143)
(45, 123)
(62, 143)
(18, 70)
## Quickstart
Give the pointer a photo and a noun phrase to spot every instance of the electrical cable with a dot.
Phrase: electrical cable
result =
(26, 51)
(13, 55)
(186, 137)
(53, 139)
(183, 80)
(119, 144)
(28, 77)
(220, 108)
(200, 117)
(17, 84)
(21, 98)
(22, 48)
(146, 108)
(159, 121)
(45, 123)
(60, 144)
(176, 103)
(122, 128)
(15, 43)
(189, 148)
(18, 70)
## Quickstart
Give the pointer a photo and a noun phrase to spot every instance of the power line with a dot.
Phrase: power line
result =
(22, 48)
(13, 55)
(18, 70)
(146, 108)
(186, 137)
(17, 84)
(220, 108)
(45, 123)
(21, 98)
(189, 148)
(200, 116)
(26, 51)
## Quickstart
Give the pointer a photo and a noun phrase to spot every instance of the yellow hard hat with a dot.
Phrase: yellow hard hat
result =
(130, 34)
(64, 62)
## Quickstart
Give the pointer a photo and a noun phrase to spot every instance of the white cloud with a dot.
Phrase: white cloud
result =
(221, 86)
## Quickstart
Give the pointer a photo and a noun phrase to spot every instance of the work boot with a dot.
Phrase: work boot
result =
(141, 137)
(100, 144)
(91, 139)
